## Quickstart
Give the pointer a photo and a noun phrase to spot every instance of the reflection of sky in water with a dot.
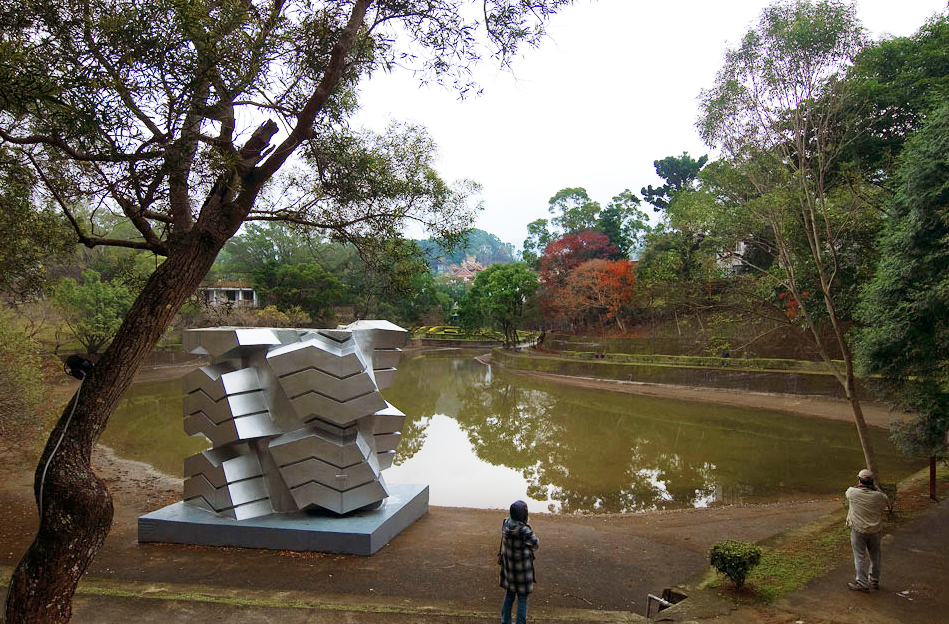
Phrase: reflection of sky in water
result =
(483, 438)
(702, 499)
(454, 474)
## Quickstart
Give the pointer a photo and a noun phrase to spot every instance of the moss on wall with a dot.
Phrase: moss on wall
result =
(758, 375)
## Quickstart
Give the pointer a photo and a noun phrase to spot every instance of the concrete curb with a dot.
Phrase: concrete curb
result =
(129, 598)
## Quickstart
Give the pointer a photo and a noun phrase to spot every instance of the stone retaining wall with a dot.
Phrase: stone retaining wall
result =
(732, 378)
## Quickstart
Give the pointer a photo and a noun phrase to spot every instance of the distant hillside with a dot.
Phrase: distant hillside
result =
(486, 248)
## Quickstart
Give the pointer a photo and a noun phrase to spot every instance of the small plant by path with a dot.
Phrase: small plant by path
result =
(735, 559)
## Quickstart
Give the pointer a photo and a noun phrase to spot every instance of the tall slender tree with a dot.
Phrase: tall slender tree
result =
(776, 112)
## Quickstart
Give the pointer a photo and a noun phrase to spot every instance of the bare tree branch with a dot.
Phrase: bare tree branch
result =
(74, 154)
(318, 99)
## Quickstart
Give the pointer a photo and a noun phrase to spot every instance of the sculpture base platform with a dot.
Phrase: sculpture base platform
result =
(358, 533)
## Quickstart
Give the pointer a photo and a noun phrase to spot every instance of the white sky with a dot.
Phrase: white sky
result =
(612, 89)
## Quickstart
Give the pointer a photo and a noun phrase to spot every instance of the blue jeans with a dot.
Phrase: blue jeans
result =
(521, 608)
(866, 557)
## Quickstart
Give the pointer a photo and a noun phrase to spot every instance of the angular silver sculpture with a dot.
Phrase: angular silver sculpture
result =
(295, 418)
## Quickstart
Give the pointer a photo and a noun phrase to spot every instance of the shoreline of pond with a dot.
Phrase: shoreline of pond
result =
(875, 414)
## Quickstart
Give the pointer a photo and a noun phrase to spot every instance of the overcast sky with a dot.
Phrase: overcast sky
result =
(612, 89)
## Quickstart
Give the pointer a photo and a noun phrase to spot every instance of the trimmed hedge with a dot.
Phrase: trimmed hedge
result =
(734, 559)
(451, 332)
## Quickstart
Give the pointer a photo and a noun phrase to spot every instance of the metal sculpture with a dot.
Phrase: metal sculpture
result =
(295, 418)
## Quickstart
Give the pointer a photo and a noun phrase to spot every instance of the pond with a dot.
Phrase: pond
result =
(480, 437)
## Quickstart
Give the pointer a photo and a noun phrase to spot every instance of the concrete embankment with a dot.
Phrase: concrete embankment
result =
(697, 384)
(771, 376)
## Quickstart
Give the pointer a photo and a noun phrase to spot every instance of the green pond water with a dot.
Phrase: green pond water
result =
(482, 438)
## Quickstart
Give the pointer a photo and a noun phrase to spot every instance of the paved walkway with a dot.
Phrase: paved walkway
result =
(915, 575)
(915, 572)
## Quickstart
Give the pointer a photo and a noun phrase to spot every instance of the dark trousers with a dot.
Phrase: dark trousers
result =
(521, 608)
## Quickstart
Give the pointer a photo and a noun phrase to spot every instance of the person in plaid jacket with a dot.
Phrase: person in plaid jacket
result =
(516, 557)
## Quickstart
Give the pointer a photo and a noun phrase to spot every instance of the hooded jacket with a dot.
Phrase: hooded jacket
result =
(516, 556)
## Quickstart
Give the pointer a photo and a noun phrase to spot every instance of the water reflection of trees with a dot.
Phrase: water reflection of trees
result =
(587, 460)
(425, 386)
(593, 450)
(608, 452)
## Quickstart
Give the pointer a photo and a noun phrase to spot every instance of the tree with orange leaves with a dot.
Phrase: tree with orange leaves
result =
(600, 288)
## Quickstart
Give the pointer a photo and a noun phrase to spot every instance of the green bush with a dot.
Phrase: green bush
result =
(734, 559)
(21, 378)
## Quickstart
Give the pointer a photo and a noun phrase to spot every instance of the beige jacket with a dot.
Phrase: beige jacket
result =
(866, 509)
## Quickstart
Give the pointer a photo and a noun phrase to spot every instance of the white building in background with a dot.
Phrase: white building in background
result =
(731, 260)
(238, 293)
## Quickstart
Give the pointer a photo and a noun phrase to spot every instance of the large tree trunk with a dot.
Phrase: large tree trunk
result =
(76, 507)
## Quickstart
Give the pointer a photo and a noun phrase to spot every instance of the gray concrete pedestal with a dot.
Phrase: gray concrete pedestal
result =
(357, 533)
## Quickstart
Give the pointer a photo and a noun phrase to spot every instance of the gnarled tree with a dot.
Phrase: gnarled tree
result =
(189, 118)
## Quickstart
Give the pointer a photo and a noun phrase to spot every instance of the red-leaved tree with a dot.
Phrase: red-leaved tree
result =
(599, 290)
(570, 251)
(560, 259)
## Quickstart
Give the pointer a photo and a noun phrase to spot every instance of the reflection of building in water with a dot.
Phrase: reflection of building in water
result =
(728, 494)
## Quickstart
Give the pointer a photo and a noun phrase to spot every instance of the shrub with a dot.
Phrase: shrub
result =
(21, 379)
(94, 309)
(294, 316)
(734, 559)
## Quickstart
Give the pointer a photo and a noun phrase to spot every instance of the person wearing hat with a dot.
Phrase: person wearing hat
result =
(865, 519)
(516, 558)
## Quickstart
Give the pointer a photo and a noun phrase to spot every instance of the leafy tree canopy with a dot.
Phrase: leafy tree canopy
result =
(261, 243)
(570, 251)
(501, 298)
(906, 305)
(307, 286)
(679, 172)
(895, 83)
(93, 309)
(31, 238)
(603, 287)
(574, 212)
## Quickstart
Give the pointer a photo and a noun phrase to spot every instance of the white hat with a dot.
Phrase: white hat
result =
(865, 474)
